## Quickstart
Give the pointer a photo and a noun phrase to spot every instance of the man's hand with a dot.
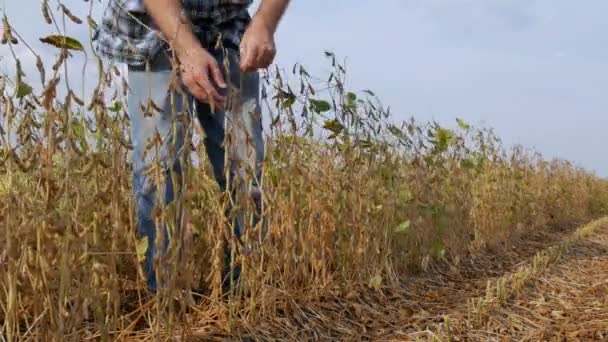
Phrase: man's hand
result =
(257, 47)
(198, 68)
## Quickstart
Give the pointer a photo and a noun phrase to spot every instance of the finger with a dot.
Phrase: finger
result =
(267, 57)
(252, 56)
(216, 73)
(199, 93)
(244, 55)
(196, 90)
(205, 83)
(259, 60)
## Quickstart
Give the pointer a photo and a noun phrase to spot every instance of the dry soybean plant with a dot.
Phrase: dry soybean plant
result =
(350, 197)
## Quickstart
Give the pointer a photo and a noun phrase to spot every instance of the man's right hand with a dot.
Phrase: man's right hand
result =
(198, 69)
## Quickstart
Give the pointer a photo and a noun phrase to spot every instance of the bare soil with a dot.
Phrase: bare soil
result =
(567, 302)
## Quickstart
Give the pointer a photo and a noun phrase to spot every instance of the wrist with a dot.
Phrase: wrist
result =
(186, 48)
(264, 22)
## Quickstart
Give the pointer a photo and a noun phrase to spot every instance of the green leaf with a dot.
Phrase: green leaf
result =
(462, 124)
(375, 282)
(438, 249)
(351, 98)
(443, 221)
(79, 131)
(396, 131)
(63, 42)
(468, 163)
(369, 92)
(333, 125)
(171, 212)
(403, 228)
(444, 135)
(288, 101)
(140, 248)
(78, 128)
(443, 138)
(364, 143)
(405, 195)
(320, 106)
(23, 89)
(116, 107)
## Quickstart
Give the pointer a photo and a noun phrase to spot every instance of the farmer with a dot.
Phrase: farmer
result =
(218, 48)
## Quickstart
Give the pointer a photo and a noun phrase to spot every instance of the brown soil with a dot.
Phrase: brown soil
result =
(566, 302)
(569, 302)
(571, 298)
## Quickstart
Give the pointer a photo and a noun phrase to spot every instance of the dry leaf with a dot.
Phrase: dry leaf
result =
(375, 282)
(141, 247)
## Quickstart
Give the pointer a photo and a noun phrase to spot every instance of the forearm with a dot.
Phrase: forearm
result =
(271, 12)
(167, 14)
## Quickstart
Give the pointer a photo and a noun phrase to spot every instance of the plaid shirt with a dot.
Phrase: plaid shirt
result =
(128, 35)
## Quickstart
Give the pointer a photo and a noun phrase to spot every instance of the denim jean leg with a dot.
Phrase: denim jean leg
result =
(239, 131)
(147, 125)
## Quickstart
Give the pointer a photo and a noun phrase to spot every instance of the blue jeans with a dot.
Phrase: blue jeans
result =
(158, 141)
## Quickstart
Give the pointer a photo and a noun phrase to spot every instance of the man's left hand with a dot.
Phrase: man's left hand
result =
(257, 47)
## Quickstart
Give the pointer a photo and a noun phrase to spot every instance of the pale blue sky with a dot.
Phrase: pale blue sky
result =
(535, 70)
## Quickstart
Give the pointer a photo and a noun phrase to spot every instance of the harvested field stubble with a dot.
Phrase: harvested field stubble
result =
(355, 204)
